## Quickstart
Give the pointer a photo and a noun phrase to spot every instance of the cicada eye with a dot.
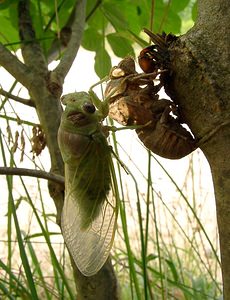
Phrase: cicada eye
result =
(89, 107)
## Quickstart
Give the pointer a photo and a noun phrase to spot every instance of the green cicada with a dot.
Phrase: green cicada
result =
(90, 210)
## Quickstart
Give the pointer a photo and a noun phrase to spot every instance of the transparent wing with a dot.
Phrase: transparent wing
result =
(89, 237)
(89, 247)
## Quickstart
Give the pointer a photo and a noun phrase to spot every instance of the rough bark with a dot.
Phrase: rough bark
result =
(103, 285)
(200, 85)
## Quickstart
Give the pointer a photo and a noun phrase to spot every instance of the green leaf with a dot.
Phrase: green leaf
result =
(15, 281)
(178, 5)
(102, 63)
(55, 14)
(121, 46)
(172, 23)
(194, 11)
(129, 13)
(151, 257)
(64, 12)
(114, 15)
(143, 10)
(167, 20)
(164, 18)
(95, 18)
(6, 3)
(90, 36)
(9, 34)
(173, 269)
(36, 235)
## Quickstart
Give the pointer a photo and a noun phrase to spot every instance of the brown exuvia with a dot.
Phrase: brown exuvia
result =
(134, 101)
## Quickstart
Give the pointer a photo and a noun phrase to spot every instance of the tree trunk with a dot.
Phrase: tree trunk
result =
(200, 85)
(103, 285)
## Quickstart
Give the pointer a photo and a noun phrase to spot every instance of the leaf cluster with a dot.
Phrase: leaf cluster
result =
(112, 27)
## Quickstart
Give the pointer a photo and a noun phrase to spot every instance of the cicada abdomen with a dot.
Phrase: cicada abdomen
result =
(169, 140)
(89, 214)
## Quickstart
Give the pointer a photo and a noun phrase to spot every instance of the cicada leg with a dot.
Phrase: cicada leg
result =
(115, 129)
(102, 106)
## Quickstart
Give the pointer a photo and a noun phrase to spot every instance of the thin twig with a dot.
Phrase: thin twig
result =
(32, 173)
(77, 31)
(28, 102)
(18, 120)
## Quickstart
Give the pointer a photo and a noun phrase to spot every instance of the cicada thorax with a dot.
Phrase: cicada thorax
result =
(131, 94)
(72, 145)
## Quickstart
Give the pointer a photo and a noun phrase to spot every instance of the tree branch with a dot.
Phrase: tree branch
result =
(18, 120)
(31, 50)
(77, 31)
(14, 66)
(28, 102)
(32, 173)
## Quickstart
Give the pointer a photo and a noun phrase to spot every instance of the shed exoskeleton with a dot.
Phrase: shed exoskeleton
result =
(136, 102)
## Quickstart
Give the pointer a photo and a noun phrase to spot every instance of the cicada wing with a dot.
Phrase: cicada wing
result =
(89, 247)
(90, 211)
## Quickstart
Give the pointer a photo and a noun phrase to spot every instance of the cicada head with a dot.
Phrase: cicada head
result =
(147, 59)
(80, 114)
(156, 56)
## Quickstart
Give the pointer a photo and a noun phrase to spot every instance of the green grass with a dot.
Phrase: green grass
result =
(177, 264)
